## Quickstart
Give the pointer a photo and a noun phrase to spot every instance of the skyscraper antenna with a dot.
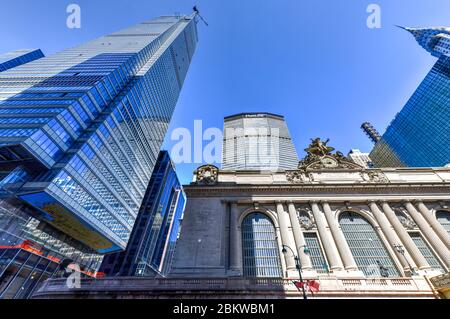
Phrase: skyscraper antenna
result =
(197, 12)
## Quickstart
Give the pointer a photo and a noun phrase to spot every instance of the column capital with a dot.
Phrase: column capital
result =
(417, 201)
(313, 201)
(291, 203)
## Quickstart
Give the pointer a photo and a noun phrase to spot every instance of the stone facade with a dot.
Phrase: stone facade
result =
(394, 201)
(441, 285)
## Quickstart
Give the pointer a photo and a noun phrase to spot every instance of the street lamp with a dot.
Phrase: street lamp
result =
(298, 266)
(399, 248)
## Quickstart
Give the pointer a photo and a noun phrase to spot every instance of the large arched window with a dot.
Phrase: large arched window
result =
(260, 251)
(369, 252)
(444, 218)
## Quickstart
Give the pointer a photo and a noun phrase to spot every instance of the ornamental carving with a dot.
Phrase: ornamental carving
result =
(374, 177)
(207, 175)
(405, 219)
(296, 177)
(319, 156)
(306, 219)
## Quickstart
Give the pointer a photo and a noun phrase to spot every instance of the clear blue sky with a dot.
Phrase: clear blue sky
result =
(315, 62)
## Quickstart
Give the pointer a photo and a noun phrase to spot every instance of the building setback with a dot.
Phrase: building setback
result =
(19, 57)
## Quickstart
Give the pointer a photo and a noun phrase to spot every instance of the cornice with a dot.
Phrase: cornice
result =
(379, 188)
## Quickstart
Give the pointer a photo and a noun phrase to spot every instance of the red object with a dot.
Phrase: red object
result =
(314, 286)
(311, 285)
(27, 245)
(34, 248)
(299, 284)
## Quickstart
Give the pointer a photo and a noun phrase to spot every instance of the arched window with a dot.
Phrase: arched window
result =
(444, 218)
(369, 252)
(260, 251)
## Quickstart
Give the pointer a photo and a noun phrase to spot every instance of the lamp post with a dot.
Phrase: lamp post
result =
(298, 266)
(401, 250)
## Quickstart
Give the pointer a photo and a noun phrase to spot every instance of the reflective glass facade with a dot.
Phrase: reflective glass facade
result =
(24, 267)
(21, 272)
(259, 247)
(257, 141)
(17, 226)
(15, 58)
(418, 136)
(80, 131)
(155, 233)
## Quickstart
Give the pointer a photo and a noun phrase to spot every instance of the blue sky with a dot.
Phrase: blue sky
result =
(315, 62)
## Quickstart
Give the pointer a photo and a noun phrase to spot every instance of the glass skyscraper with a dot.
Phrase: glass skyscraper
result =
(80, 131)
(419, 134)
(152, 243)
(18, 57)
(257, 141)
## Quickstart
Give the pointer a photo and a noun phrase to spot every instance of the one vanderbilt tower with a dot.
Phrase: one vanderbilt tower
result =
(80, 130)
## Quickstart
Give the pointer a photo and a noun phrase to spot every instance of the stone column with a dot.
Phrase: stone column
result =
(390, 234)
(299, 238)
(235, 249)
(339, 239)
(327, 240)
(432, 221)
(409, 244)
(286, 237)
(428, 232)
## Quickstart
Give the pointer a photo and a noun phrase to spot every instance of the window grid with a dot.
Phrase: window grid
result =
(425, 250)
(365, 245)
(443, 217)
(260, 249)
(315, 252)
